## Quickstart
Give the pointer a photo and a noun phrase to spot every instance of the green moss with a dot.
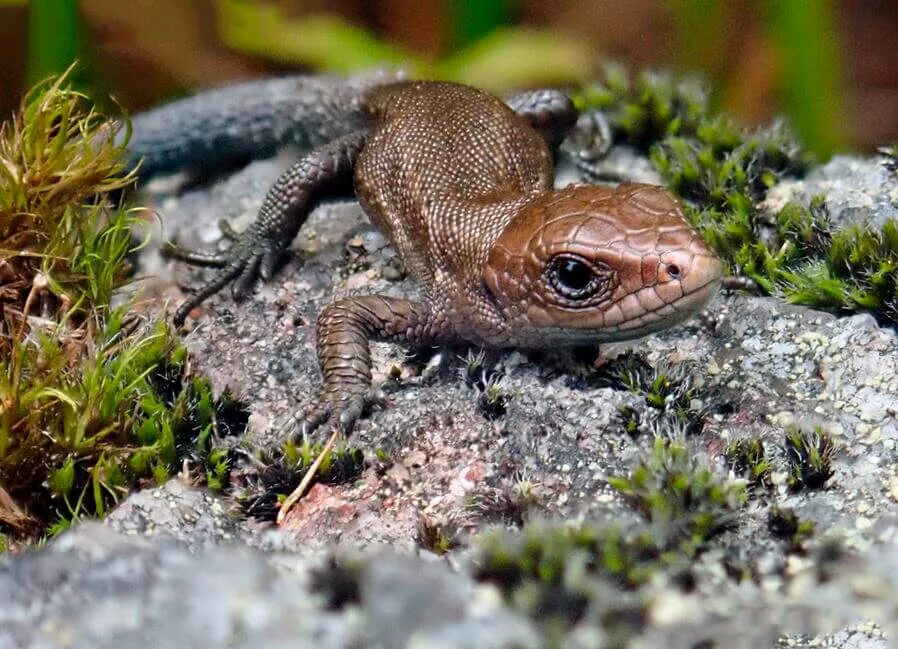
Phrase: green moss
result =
(723, 171)
(677, 406)
(93, 400)
(562, 576)
(810, 455)
(592, 574)
(679, 495)
(438, 535)
(785, 524)
(748, 460)
(261, 486)
(890, 157)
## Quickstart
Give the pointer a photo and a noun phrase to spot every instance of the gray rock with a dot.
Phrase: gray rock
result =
(856, 189)
(755, 365)
(95, 588)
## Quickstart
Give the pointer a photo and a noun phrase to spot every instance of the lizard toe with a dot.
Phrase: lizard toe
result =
(245, 281)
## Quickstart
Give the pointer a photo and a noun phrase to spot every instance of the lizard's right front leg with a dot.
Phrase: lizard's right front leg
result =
(345, 328)
(324, 172)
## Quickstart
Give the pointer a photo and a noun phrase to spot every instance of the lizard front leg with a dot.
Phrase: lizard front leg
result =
(344, 330)
(324, 172)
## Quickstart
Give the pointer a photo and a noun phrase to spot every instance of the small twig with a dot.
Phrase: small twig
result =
(297, 493)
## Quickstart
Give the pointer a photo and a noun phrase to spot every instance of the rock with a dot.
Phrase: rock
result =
(95, 588)
(185, 572)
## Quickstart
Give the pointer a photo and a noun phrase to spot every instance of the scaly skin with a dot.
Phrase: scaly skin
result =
(463, 187)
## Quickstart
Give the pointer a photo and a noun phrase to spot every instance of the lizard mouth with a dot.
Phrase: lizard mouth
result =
(666, 315)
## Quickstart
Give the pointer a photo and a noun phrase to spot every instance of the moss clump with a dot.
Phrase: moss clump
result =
(748, 460)
(93, 400)
(723, 171)
(890, 157)
(810, 456)
(677, 407)
(592, 574)
(785, 524)
(680, 496)
(260, 486)
(646, 109)
(439, 535)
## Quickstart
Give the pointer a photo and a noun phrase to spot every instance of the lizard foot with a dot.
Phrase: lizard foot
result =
(253, 255)
(588, 142)
(341, 410)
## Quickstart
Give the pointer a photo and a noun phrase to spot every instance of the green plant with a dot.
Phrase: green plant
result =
(810, 455)
(785, 524)
(680, 496)
(93, 400)
(261, 487)
(747, 459)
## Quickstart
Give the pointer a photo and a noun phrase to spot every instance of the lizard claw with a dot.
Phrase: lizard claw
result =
(254, 253)
(342, 410)
(589, 141)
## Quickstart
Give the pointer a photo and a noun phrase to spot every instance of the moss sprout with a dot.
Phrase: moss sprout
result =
(785, 524)
(748, 460)
(810, 456)
(438, 535)
(260, 485)
(677, 407)
(890, 157)
(680, 495)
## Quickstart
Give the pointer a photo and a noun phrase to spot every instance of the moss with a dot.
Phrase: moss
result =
(810, 455)
(677, 406)
(748, 460)
(890, 157)
(260, 485)
(680, 496)
(723, 171)
(785, 524)
(438, 535)
(93, 400)
(566, 576)
(592, 574)
(338, 582)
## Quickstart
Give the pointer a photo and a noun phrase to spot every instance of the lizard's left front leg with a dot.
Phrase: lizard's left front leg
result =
(345, 328)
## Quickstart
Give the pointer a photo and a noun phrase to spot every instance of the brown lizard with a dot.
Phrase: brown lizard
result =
(462, 184)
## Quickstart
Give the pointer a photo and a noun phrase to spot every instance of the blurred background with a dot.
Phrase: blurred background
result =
(831, 66)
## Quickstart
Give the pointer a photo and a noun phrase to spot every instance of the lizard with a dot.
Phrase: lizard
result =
(461, 183)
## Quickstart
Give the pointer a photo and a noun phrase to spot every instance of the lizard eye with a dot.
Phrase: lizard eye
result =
(573, 277)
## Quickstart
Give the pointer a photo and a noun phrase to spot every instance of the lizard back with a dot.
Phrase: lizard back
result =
(443, 172)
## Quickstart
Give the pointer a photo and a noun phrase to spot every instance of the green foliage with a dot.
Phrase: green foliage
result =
(78, 433)
(723, 172)
(502, 59)
(592, 574)
(680, 496)
(260, 488)
(748, 460)
(93, 401)
(810, 455)
(59, 160)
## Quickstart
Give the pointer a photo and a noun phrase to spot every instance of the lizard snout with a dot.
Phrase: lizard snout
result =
(590, 263)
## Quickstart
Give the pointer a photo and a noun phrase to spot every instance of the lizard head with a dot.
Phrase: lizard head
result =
(592, 264)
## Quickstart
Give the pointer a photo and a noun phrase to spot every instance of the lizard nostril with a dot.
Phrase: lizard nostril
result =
(673, 271)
